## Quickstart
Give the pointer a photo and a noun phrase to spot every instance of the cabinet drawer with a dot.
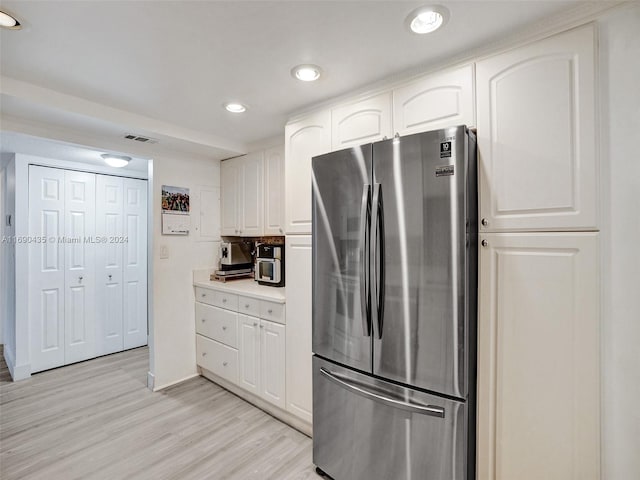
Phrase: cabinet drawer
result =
(217, 358)
(272, 311)
(217, 298)
(217, 323)
(249, 306)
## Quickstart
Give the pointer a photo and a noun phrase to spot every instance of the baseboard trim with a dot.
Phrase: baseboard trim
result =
(263, 405)
(151, 380)
(17, 372)
(171, 384)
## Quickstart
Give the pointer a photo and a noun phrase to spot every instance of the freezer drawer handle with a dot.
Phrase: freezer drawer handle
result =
(346, 382)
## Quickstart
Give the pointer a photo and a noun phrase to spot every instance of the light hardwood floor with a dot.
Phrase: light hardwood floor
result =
(97, 420)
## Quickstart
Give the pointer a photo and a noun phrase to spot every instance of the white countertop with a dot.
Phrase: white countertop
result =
(246, 286)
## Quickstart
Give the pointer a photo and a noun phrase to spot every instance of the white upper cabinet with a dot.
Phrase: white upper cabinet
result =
(362, 122)
(274, 191)
(536, 135)
(242, 195)
(304, 139)
(230, 180)
(251, 188)
(439, 100)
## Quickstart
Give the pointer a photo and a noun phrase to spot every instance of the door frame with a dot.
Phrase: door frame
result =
(21, 362)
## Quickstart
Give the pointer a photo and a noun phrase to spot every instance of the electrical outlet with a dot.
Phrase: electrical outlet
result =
(164, 251)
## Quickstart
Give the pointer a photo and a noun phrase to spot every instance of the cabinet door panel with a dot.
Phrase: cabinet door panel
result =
(251, 204)
(362, 122)
(536, 135)
(298, 336)
(249, 353)
(440, 100)
(229, 197)
(303, 140)
(272, 353)
(538, 357)
(274, 191)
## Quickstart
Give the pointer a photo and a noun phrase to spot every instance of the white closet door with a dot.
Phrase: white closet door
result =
(135, 263)
(109, 268)
(46, 267)
(79, 311)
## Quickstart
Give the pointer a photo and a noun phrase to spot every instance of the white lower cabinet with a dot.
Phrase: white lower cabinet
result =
(234, 343)
(262, 355)
(538, 357)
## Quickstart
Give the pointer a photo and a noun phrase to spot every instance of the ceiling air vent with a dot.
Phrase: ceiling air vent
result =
(140, 138)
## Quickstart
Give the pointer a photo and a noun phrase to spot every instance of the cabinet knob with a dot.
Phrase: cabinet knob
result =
(80, 279)
(246, 305)
(203, 295)
(485, 243)
(224, 300)
(224, 328)
(224, 364)
(485, 222)
(270, 311)
(255, 324)
(280, 230)
(204, 354)
(203, 320)
(110, 277)
(261, 326)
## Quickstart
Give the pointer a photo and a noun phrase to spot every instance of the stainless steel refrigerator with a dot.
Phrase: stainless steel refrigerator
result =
(394, 308)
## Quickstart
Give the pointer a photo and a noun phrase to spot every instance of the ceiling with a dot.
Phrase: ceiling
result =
(164, 68)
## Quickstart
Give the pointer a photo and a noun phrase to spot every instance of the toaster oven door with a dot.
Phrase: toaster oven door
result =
(268, 270)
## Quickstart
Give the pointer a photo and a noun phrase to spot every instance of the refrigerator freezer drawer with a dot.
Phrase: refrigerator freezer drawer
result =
(365, 428)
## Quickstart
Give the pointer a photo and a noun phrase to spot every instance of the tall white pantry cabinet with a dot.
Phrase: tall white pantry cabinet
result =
(87, 273)
(539, 320)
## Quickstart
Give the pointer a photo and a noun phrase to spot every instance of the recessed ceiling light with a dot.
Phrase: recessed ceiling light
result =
(117, 161)
(235, 107)
(427, 19)
(306, 73)
(9, 21)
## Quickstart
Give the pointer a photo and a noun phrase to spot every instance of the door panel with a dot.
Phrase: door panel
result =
(420, 334)
(249, 353)
(341, 330)
(46, 267)
(109, 296)
(362, 436)
(80, 272)
(272, 354)
(135, 263)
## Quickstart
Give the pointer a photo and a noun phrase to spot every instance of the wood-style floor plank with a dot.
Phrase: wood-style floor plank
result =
(97, 420)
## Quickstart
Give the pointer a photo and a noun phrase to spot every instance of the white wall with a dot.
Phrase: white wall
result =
(620, 127)
(174, 356)
(8, 271)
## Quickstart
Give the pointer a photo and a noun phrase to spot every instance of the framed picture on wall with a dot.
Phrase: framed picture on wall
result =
(175, 200)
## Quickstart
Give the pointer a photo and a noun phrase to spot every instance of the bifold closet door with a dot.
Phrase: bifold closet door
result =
(46, 267)
(61, 267)
(109, 264)
(135, 263)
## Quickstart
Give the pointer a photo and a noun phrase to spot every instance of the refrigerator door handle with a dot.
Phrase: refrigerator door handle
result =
(360, 389)
(377, 261)
(365, 216)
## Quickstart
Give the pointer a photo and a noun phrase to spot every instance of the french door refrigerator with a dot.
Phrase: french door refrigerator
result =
(394, 308)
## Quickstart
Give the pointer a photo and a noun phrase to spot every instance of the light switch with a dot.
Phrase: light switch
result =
(164, 251)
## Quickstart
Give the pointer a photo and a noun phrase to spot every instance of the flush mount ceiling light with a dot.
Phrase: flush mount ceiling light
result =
(427, 19)
(306, 73)
(117, 161)
(234, 107)
(9, 21)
